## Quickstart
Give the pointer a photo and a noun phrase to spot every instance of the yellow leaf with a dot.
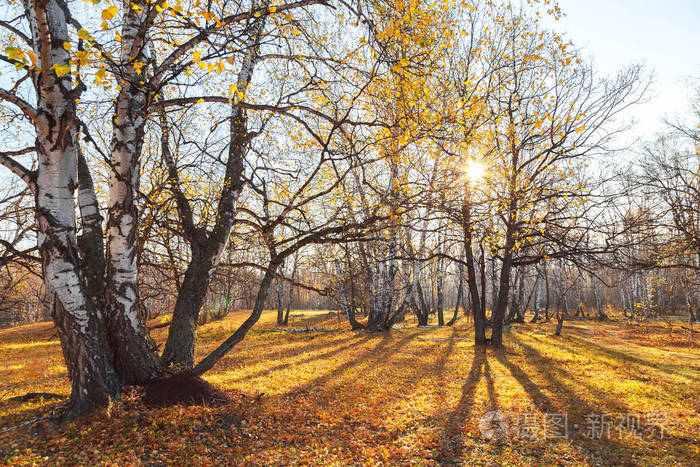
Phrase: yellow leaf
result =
(109, 13)
(272, 9)
(137, 66)
(14, 53)
(100, 75)
(83, 34)
(197, 56)
(61, 70)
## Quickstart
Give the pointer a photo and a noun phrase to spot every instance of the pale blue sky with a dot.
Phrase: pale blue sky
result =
(662, 34)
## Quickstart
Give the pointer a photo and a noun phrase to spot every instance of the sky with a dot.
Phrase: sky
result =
(664, 35)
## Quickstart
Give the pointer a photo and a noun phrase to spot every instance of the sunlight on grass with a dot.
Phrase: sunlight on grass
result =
(413, 395)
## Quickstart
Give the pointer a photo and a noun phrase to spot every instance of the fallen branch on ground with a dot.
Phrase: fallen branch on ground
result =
(302, 330)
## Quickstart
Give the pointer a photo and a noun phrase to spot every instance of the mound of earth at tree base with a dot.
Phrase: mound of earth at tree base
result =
(183, 388)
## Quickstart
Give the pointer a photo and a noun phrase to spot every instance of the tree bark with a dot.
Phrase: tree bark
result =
(477, 309)
(79, 324)
(134, 351)
(460, 288)
(503, 286)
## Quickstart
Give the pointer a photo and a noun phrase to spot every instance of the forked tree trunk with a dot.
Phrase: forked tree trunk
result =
(476, 301)
(206, 250)
(503, 285)
(180, 344)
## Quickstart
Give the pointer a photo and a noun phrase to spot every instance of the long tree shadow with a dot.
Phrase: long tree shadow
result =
(668, 368)
(336, 346)
(452, 439)
(370, 357)
(440, 368)
(572, 403)
(631, 372)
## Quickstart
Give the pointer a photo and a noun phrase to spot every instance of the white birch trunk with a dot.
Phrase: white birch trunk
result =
(134, 351)
(79, 323)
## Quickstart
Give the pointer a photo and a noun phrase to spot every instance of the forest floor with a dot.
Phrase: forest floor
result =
(601, 394)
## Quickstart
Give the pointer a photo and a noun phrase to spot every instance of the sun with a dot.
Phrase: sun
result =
(474, 171)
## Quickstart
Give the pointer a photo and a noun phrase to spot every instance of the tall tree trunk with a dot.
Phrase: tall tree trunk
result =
(349, 293)
(291, 291)
(494, 283)
(440, 294)
(134, 351)
(482, 278)
(280, 305)
(520, 311)
(598, 301)
(538, 297)
(79, 324)
(546, 293)
(514, 304)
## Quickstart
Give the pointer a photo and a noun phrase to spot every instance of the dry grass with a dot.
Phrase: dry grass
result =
(398, 398)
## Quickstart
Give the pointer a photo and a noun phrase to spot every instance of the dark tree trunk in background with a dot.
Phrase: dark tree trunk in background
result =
(546, 293)
(460, 291)
(440, 295)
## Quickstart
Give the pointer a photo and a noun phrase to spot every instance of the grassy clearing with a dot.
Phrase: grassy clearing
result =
(409, 396)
